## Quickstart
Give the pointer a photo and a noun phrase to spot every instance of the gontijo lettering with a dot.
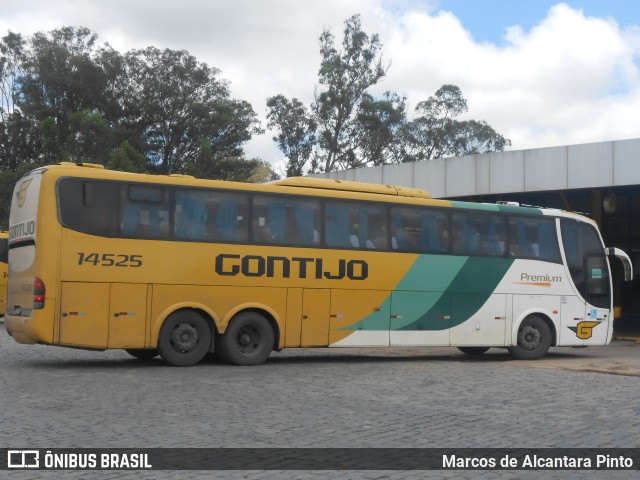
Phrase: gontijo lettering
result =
(284, 267)
(22, 230)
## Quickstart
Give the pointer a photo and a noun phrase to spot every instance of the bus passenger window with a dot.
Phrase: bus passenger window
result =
(533, 237)
(286, 220)
(359, 225)
(145, 212)
(190, 215)
(229, 212)
(419, 229)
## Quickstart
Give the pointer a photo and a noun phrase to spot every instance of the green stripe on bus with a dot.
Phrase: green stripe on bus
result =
(439, 276)
(479, 276)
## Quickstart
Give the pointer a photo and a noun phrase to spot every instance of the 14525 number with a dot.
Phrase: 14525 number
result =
(109, 260)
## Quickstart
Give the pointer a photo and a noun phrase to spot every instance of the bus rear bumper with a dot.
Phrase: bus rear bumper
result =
(25, 330)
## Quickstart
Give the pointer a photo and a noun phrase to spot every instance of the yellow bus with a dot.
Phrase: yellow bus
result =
(3, 271)
(180, 267)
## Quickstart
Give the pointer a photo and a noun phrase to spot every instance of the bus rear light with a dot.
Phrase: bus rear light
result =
(38, 293)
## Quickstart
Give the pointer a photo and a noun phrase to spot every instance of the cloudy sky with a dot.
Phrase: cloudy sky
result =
(541, 72)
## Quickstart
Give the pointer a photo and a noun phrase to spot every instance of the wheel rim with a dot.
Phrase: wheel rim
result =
(184, 337)
(529, 337)
(248, 339)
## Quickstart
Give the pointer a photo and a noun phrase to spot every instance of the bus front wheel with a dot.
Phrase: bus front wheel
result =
(248, 340)
(534, 339)
(185, 338)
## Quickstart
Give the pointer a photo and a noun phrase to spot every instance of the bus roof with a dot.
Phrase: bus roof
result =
(305, 185)
(332, 184)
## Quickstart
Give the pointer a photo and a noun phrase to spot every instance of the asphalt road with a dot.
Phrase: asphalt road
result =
(385, 398)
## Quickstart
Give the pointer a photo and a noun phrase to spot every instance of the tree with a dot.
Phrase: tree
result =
(344, 76)
(378, 124)
(60, 78)
(127, 159)
(296, 131)
(177, 103)
(12, 58)
(435, 132)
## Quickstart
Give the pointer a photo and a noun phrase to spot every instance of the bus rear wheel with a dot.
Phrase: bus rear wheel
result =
(185, 338)
(473, 350)
(248, 340)
(534, 339)
(142, 353)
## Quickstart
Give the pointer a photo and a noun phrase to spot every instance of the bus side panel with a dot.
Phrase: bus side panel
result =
(222, 303)
(359, 318)
(84, 314)
(484, 327)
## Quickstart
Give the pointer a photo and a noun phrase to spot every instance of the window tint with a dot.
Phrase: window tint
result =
(211, 216)
(419, 229)
(144, 212)
(533, 237)
(478, 234)
(89, 206)
(286, 220)
(352, 225)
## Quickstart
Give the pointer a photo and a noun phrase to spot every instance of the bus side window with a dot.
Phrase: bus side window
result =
(337, 231)
(145, 212)
(191, 217)
(356, 225)
(231, 218)
(533, 238)
(465, 234)
(89, 206)
(435, 231)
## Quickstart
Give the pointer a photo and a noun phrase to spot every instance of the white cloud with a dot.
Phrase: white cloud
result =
(569, 79)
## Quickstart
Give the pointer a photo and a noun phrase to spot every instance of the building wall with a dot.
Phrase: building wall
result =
(590, 165)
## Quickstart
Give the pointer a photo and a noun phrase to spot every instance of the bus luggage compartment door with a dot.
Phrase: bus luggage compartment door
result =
(84, 314)
(127, 315)
(315, 318)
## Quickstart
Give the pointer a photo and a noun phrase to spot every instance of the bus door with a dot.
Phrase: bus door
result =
(598, 305)
(420, 318)
(589, 270)
(478, 321)
(102, 315)
(315, 317)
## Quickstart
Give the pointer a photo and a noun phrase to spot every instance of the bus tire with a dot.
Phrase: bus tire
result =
(534, 339)
(473, 350)
(185, 338)
(248, 340)
(142, 353)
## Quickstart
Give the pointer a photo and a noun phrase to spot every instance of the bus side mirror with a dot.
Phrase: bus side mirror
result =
(624, 258)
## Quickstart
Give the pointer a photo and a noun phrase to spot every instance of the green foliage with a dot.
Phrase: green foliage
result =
(64, 97)
(436, 132)
(344, 77)
(127, 159)
(347, 127)
(296, 131)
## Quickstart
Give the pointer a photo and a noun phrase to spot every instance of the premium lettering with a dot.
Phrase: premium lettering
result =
(525, 277)
(284, 267)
